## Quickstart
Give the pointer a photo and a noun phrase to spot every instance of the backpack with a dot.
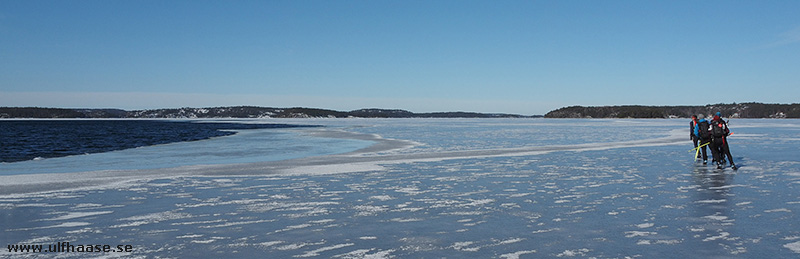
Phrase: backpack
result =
(703, 129)
(717, 129)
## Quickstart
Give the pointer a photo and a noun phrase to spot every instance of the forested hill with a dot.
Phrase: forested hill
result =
(740, 110)
(235, 112)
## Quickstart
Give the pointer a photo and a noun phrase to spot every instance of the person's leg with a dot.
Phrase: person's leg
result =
(715, 151)
(727, 151)
(713, 154)
(705, 155)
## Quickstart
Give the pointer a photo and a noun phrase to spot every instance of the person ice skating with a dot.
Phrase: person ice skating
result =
(692, 137)
(702, 134)
(719, 142)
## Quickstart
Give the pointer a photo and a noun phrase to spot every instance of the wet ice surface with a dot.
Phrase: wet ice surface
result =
(642, 201)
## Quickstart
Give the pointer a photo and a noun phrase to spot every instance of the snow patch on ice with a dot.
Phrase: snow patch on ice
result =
(269, 243)
(316, 252)
(716, 217)
(62, 225)
(573, 253)
(151, 218)
(402, 220)
(658, 242)
(381, 197)
(369, 210)
(795, 247)
(208, 241)
(778, 210)
(190, 236)
(463, 246)
(544, 230)
(645, 225)
(280, 196)
(726, 187)
(296, 246)
(511, 241)
(517, 254)
(475, 203)
(322, 221)
(711, 201)
(630, 234)
(333, 169)
(410, 190)
(237, 223)
(74, 215)
(722, 235)
(365, 254)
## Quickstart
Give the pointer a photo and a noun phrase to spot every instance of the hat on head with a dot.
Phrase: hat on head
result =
(718, 114)
(701, 116)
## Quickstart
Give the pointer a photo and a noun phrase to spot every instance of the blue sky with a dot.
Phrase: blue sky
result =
(525, 57)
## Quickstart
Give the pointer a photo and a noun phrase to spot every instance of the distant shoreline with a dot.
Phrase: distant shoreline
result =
(741, 110)
(237, 112)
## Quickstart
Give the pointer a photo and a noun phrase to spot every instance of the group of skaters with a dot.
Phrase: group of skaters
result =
(713, 134)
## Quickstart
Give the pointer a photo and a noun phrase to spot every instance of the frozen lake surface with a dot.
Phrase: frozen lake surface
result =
(486, 188)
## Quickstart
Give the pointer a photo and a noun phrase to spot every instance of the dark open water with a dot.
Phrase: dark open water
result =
(22, 140)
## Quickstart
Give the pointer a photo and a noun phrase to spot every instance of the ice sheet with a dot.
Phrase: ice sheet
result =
(628, 197)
